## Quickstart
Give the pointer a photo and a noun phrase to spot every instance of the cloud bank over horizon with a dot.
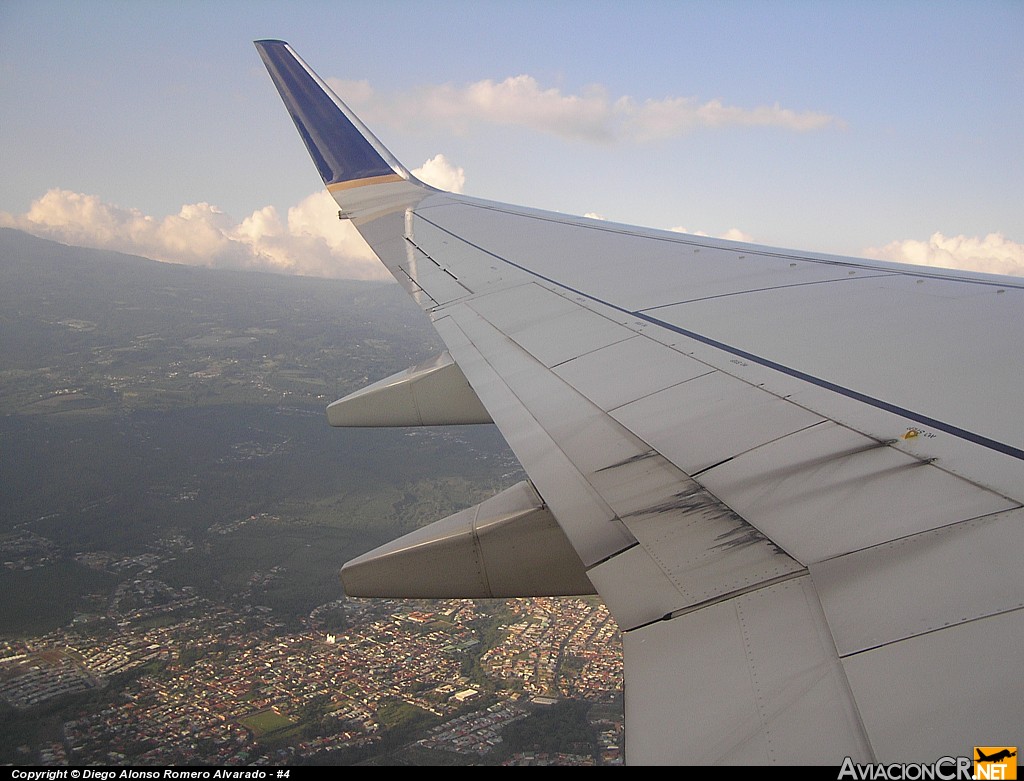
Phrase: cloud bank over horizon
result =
(592, 115)
(309, 240)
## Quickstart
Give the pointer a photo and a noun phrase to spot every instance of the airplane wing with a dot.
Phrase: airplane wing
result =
(795, 479)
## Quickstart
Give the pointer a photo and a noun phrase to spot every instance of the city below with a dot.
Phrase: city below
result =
(174, 511)
(177, 680)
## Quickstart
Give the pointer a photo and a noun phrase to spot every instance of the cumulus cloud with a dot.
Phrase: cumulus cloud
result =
(309, 240)
(733, 234)
(658, 119)
(591, 115)
(520, 100)
(437, 171)
(993, 254)
(352, 92)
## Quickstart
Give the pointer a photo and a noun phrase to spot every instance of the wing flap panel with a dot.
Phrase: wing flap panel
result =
(752, 680)
(522, 307)
(923, 583)
(628, 370)
(693, 548)
(709, 419)
(570, 335)
(943, 692)
(635, 588)
(706, 549)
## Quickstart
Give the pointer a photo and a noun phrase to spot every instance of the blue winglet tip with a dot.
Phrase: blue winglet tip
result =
(339, 149)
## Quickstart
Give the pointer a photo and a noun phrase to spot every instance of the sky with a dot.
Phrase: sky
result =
(878, 129)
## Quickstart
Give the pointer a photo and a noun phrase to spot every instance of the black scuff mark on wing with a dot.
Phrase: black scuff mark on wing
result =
(631, 460)
(693, 499)
(743, 536)
(697, 500)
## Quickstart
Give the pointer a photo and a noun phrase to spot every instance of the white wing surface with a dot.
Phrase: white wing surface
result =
(795, 479)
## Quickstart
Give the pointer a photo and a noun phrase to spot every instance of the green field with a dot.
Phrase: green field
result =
(266, 722)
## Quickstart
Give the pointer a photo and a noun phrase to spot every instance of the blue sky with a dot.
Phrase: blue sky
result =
(854, 128)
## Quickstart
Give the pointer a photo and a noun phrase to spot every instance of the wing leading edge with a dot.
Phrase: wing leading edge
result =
(795, 479)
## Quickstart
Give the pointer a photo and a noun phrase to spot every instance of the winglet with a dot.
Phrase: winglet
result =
(346, 153)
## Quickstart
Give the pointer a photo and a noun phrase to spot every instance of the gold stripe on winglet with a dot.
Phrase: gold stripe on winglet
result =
(333, 188)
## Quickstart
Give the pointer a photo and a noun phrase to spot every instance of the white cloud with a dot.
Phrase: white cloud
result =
(592, 115)
(657, 119)
(994, 254)
(437, 171)
(520, 100)
(733, 234)
(517, 100)
(352, 92)
(311, 241)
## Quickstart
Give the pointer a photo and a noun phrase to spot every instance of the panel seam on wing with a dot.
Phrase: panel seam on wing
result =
(799, 573)
(925, 633)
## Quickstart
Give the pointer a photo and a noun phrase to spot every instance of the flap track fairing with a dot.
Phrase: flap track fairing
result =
(432, 393)
(507, 546)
